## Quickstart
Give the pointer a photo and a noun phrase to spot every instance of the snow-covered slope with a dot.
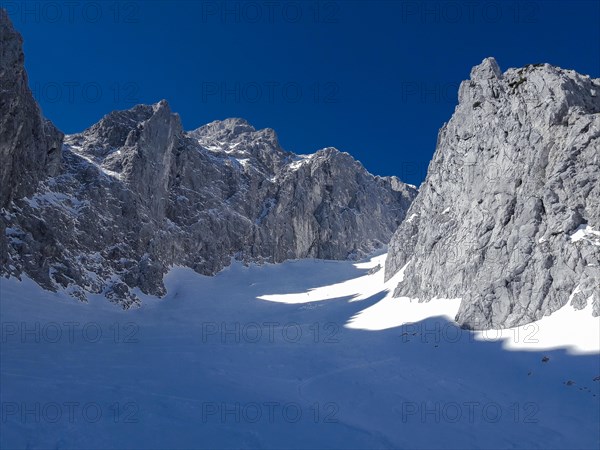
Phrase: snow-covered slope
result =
(303, 354)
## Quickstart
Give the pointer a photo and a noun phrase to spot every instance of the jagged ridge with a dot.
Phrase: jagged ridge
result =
(135, 194)
(514, 177)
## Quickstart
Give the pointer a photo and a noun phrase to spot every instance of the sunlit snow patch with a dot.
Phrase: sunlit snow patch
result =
(299, 160)
(387, 313)
(576, 330)
(359, 288)
(586, 233)
(394, 312)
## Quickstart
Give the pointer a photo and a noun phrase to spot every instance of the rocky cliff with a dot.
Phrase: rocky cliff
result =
(508, 218)
(120, 203)
(29, 144)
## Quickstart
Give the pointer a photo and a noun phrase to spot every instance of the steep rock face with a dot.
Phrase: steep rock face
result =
(509, 215)
(239, 139)
(323, 199)
(29, 144)
(115, 206)
(138, 195)
(136, 147)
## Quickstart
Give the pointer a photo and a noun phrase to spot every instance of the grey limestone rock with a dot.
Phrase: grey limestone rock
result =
(508, 218)
(117, 205)
(29, 144)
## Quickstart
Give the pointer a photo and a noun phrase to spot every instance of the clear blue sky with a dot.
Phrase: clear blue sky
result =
(375, 79)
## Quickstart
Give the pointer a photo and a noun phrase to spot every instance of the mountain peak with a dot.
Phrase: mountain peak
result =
(119, 128)
(513, 177)
(488, 69)
(237, 136)
(227, 128)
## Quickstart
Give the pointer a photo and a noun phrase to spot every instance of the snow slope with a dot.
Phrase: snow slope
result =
(304, 354)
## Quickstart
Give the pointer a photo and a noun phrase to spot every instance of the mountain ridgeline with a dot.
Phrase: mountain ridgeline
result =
(508, 218)
(112, 208)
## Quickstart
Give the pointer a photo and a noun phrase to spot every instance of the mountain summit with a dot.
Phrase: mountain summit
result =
(508, 218)
(123, 201)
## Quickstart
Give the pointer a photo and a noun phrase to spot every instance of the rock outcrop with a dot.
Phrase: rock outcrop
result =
(117, 205)
(29, 144)
(508, 217)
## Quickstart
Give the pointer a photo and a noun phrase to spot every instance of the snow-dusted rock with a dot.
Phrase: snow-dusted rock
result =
(29, 144)
(516, 174)
(135, 194)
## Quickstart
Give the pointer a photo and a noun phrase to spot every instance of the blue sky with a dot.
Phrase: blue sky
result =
(375, 79)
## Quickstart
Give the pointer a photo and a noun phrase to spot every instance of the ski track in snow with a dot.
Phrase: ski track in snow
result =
(363, 360)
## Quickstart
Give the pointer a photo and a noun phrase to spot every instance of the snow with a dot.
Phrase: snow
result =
(228, 362)
(68, 203)
(108, 173)
(578, 331)
(243, 161)
(586, 233)
(299, 160)
(220, 147)
(394, 312)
